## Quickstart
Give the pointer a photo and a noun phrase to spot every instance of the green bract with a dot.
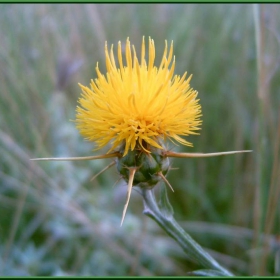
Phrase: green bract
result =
(149, 166)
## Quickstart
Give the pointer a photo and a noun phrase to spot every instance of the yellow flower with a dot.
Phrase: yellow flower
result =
(135, 107)
(137, 104)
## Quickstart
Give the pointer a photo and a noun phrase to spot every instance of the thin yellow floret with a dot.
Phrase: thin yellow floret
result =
(138, 103)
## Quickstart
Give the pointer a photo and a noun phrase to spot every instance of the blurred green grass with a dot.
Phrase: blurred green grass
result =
(55, 221)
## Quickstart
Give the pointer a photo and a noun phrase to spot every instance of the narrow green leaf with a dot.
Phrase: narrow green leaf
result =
(207, 272)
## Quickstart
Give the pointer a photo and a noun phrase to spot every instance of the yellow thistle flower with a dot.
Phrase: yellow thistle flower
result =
(134, 108)
(137, 104)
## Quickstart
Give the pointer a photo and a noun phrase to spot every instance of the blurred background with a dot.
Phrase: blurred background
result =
(55, 221)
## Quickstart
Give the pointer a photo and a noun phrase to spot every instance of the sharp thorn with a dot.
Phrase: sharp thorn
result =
(165, 180)
(116, 154)
(202, 155)
(103, 170)
(129, 188)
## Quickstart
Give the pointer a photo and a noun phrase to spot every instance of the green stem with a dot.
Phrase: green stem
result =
(168, 223)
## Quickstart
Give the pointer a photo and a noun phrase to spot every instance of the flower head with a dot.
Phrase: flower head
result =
(137, 104)
(135, 107)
